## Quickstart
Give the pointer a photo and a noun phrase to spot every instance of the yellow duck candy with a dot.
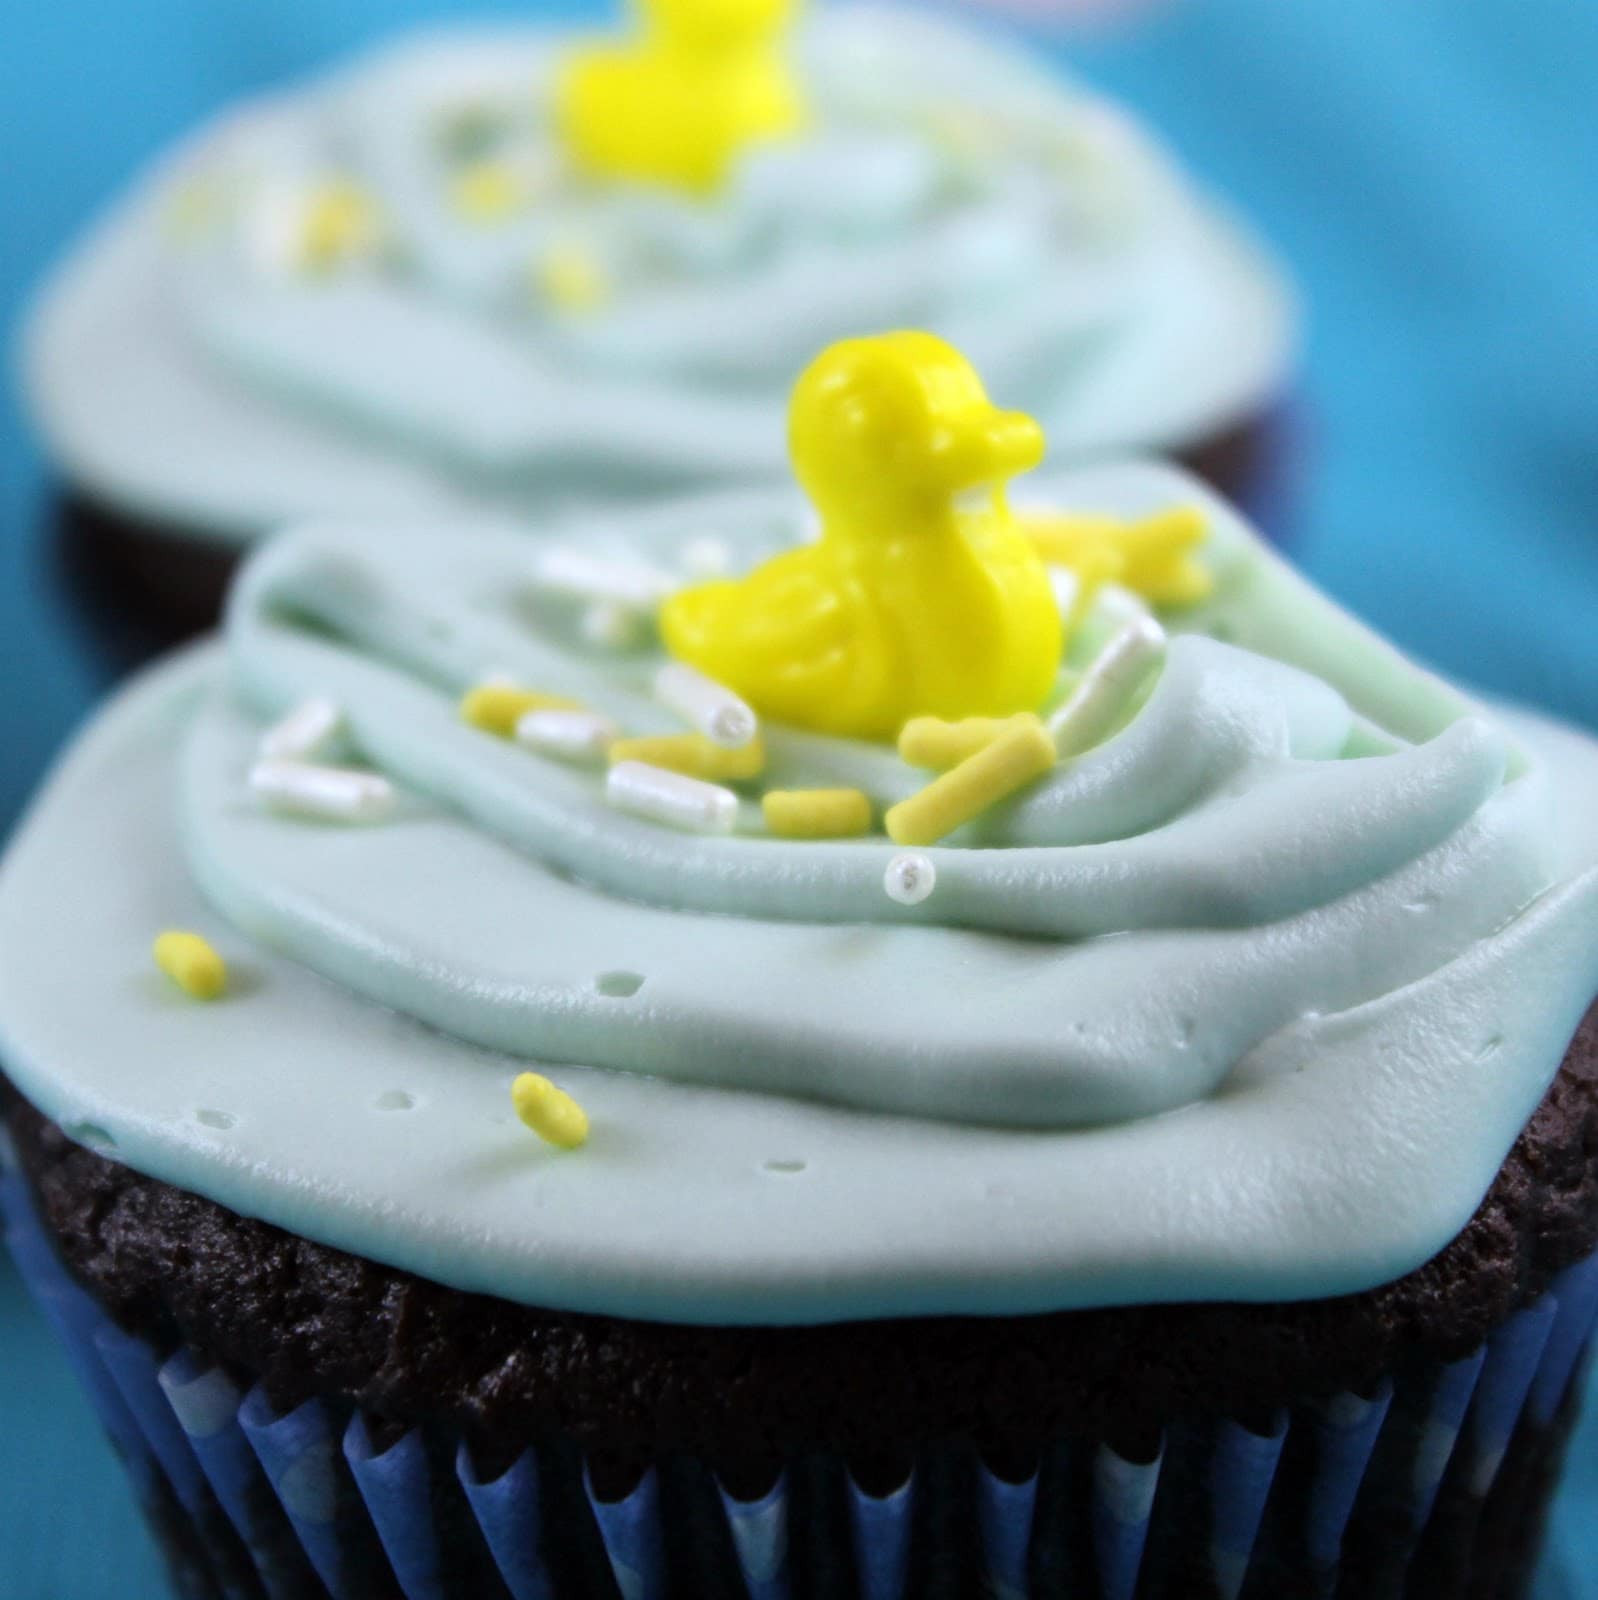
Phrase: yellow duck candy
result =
(909, 604)
(677, 106)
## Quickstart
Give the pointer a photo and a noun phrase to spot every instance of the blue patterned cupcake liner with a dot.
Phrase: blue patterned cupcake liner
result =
(311, 1490)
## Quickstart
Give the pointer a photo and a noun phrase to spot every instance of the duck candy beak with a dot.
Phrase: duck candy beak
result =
(1010, 442)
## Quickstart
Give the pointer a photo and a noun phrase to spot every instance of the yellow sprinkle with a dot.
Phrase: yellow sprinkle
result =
(817, 813)
(489, 191)
(693, 755)
(191, 963)
(497, 707)
(998, 769)
(1152, 557)
(938, 745)
(1176, 583)
(551, 1113)
(341, 221)
(572, 278)
(1158, 555)
(1066, 538)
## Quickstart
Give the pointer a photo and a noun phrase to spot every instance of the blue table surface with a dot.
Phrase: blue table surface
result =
(1430, 171)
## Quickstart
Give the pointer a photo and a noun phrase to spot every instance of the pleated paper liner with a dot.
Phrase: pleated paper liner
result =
(1434, 1481)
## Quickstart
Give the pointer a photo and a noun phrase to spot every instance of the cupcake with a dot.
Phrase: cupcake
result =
(989, 1044)
(513, 272)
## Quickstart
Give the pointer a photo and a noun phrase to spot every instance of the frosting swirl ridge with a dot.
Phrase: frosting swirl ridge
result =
(1248, 850)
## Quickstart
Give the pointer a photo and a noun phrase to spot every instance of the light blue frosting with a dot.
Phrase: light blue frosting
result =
(1250, 1001)
(947, 181)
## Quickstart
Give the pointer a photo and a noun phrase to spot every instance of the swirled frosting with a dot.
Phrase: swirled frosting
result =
(945, 181)
(1250, 1000)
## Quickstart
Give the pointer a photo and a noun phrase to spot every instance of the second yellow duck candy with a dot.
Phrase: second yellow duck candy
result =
(911, 603)
(706, 79)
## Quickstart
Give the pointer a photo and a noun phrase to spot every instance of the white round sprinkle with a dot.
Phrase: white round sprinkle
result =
(1099, 699)
(910, 877)
(633, 585)
(610, 626)
(335, 794)
(571, 735)
(703, 703)
(706, 557)
(306, 732)
(670, 797)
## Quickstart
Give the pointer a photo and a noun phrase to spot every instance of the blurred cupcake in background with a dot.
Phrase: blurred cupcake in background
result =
(513, 272)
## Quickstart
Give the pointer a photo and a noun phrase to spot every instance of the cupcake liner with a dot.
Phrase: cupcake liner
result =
(1242, 1471)
(1004, 1518)
(1123, 1502)
(759, 1530)
(1345, 1435)
(881, 1528)
(507, 1509)
(1440, 1431)
(633, 1535)
(272, 1498)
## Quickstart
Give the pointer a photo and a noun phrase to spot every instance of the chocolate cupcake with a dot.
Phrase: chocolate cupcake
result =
(605, 1124)
(421, 285)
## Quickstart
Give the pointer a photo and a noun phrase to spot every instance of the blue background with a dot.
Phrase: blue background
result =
(1431, 170)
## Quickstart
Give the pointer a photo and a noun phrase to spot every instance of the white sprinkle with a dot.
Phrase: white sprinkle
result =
(273, 226)
(1100, 698)
(336, 794)
(1067, 586)
(670, 797)
(1112, 600)
(631, 584)
(1120, 604)
(703, 703)
(571, 735)
(910, 877)
(307, 731)
(706, 557)
(610, 626)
